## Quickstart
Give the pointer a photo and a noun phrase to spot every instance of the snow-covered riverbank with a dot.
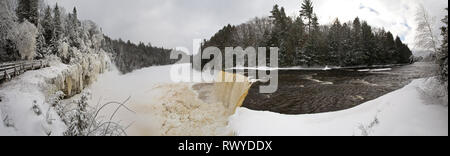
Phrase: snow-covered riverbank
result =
(412, 110)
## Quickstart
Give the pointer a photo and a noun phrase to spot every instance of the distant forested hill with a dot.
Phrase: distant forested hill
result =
(129, 56)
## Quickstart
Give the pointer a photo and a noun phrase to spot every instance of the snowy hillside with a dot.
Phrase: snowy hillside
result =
(408, 111)
(27, 106)
(18, 97)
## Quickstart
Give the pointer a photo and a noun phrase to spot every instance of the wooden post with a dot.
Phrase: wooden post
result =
(22, 70)
(6, 77)
(15, 70)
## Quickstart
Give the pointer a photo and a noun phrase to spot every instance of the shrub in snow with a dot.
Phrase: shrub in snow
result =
(84, 121)
(36, 108)
(79, 120)
(24, 38)
(63, 52)
(434, 91)
(55, 102)
(7, 121)
(366, 130)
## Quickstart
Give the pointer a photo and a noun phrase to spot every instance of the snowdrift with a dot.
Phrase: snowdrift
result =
(36, 87)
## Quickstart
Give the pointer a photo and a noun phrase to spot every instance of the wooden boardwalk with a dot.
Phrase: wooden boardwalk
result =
(12, 69)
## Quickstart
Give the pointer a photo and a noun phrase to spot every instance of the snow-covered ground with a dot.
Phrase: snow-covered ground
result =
(375, 70)
(16, 108)
(413, 110)
(26, 101)
(285, 68)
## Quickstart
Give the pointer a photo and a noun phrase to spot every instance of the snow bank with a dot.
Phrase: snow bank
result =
(24, 105)
(375, 70)
(285, 68)
(405, 112)
(18, 97)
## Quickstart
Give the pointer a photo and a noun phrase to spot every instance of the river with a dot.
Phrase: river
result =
(317, 91)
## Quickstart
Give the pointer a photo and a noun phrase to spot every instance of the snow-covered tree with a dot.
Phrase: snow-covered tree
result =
(307, 11)
(91, 35)
(443, 53)
(314, 54)
(6, 18)
(368, 41)
(73, 29)
(47, 25)
(24, 38)
(41, 47)
(63, 52)
(345, 56)
(80, 118)
(58, 29)
(335, 43)
(425, 37)
(28, 10)
(357, 54)
(297, 35)
(7, 23)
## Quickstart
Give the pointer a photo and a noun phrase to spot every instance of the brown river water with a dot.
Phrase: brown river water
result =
(308, 92)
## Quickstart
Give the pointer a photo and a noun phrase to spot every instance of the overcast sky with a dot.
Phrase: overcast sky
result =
(175, 23)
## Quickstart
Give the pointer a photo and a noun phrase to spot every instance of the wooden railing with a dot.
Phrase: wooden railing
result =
(12, 69)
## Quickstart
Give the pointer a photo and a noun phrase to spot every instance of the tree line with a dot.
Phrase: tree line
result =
(129, 56)
(31, 29)
(302, 41)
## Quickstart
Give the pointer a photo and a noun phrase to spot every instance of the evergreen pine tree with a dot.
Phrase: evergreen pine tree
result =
(443, 53)
(335, 43)
(398, 50)
(368, 41)
(28, 10)
(345, 55)
(280, 36)
(73, 29)
(298, 37)
(57, 29)
(357, 51)
(389, 45)
(307, 10)
(47, 26)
